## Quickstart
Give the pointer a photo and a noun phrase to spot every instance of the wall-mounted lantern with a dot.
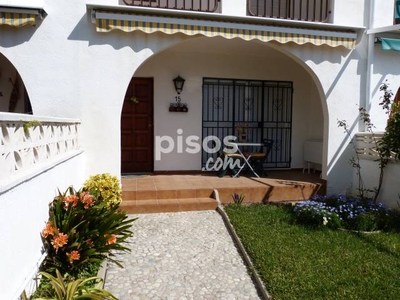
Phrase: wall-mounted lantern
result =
(178, 105)
(178, 83)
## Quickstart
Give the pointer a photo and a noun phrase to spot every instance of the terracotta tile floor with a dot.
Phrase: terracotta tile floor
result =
(280, 186)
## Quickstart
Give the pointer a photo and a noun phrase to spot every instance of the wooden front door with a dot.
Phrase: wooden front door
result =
(137, 127)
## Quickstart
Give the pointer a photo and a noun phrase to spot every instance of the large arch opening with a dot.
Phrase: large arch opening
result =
(13, 94)
(177, 134)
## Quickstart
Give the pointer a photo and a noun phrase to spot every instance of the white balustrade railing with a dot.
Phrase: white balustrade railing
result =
(366, 144)
(27, 141)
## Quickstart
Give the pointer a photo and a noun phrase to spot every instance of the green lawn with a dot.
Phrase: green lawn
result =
(297, 262)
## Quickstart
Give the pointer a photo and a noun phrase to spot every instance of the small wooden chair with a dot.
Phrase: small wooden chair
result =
(222, 155)
(257, 159)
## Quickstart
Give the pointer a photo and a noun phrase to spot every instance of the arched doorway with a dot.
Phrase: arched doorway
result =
(13, 94)
(234, 60)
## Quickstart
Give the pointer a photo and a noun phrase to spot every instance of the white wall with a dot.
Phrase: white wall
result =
(390, 190)
(23, 214)
(84, 74)
(340, 74)
(71, 71)
(351, 12)
(383, 13)
(221, 58)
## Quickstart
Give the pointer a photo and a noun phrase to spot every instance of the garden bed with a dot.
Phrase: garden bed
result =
(301, 262)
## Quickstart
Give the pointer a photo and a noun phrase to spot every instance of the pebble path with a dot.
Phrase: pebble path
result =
(185, 255)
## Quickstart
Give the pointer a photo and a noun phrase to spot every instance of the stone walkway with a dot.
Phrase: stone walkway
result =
(185, 255)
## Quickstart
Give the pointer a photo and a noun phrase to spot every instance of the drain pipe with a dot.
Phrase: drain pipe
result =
(254, 275)
(370, 58)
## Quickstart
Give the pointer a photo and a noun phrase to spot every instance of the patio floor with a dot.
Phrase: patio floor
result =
(177, 192)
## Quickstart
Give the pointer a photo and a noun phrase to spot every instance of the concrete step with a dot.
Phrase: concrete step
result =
(167, 205)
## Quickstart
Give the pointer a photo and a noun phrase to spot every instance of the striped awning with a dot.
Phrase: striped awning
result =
(108, 21)
(18, 17)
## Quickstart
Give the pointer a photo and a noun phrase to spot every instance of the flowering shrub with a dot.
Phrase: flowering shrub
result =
(343, 211)
(105, 188)
(316, 214)
(82, 229)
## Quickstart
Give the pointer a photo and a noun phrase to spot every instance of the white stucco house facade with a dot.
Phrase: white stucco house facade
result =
(98, 76)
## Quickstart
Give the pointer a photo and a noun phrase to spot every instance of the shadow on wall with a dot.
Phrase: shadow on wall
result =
(388, 64)
(85, 30)
(17, 36)
(345, 142)
(340, 172)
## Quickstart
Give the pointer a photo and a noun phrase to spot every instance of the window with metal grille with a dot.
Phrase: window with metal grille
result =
(302, 10)
(196, 5)
(251, 110)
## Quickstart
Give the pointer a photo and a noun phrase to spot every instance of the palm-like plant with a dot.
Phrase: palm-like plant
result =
(77, 289)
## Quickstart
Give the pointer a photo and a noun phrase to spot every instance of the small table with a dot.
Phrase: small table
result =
(246, 159)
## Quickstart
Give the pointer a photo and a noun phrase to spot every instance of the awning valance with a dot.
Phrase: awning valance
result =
(18, 17)
(108, 21)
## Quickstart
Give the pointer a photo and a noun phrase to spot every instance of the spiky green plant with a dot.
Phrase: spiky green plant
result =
(82, 229)
(76, 289)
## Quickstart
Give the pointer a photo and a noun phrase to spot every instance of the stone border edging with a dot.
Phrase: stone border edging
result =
(254, 275)
(101, 273)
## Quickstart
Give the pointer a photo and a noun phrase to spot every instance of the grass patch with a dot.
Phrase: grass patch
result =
(297, 262)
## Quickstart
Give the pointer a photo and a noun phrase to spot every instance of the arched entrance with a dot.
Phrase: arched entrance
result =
(13, 94)
(232, 60)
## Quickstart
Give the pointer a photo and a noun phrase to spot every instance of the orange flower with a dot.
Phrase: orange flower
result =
(87, 200)
(59, 240)
(71, 199)
(111, 240)
(73, 255)
(89, 242)
(48, 230)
